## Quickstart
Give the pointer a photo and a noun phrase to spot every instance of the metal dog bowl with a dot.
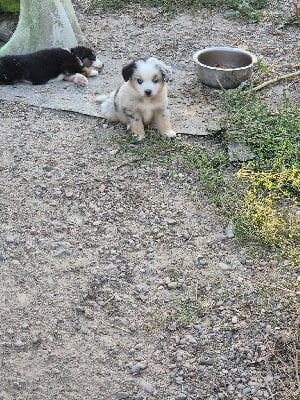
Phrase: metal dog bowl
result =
(224, 67)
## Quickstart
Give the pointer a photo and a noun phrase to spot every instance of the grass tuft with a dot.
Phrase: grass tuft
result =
(240, 8)
(272, 135)
(268, 210)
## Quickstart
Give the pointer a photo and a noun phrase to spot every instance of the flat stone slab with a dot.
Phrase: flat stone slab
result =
(188, 115)
(240, 152)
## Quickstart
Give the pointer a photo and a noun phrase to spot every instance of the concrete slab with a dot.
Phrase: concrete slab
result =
(188, 115)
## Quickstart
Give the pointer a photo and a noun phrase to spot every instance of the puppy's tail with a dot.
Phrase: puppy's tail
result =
(101, 98)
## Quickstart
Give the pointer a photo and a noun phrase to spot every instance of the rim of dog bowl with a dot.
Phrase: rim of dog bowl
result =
(235, 49)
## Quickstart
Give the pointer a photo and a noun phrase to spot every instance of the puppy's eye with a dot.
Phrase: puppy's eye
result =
(139, 81)
(156, 80)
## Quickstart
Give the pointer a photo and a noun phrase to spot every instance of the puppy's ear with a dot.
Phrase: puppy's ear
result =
(128, 71)
(77, 51)
(165, 75)
(166, 71)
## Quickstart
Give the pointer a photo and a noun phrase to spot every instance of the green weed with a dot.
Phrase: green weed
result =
(272, 135)
(260, 66)
(185, 311)
(267, 209)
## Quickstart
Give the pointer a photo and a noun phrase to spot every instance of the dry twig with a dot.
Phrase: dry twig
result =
(109, 299)
(277, 79)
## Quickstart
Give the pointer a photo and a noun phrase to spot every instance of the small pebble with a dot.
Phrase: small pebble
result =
(191, 339)
(197, 328)
(229, 232)
(89, 313)
(61, 252)
(181, 396)
(186, 235)
(171, 221)
(137, 368)
(246, 391)
(69, 194)
(173, 285)
(228, 335)
(18, 343)
(147, 387)
(225, 267)
(179, 380)
(230, 388)
(142, 288)
(10, 238)
(122, 395)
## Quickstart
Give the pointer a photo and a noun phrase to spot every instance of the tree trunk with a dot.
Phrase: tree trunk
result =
(43, 24)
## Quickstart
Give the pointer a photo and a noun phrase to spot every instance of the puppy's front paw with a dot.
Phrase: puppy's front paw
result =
(98, 64)
(137, 138)
(101, 98)
(94, 72)
(169, 134)
(80, 80)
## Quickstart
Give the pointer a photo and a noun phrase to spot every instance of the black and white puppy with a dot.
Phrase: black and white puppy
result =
(142, 99)
(54, 64)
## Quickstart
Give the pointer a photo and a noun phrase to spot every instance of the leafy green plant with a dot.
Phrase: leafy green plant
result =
(272, 135)
(248, 8)
(260, 66)
(267, 210)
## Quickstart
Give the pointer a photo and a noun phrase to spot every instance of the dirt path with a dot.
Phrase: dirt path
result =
(114, 283)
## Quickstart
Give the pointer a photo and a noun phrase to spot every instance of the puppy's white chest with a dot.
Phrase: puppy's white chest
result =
(147, 115)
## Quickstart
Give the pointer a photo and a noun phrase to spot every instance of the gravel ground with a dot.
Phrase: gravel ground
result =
(115, 284)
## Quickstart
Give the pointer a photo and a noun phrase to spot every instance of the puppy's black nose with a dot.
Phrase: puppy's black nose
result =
(148, 92)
